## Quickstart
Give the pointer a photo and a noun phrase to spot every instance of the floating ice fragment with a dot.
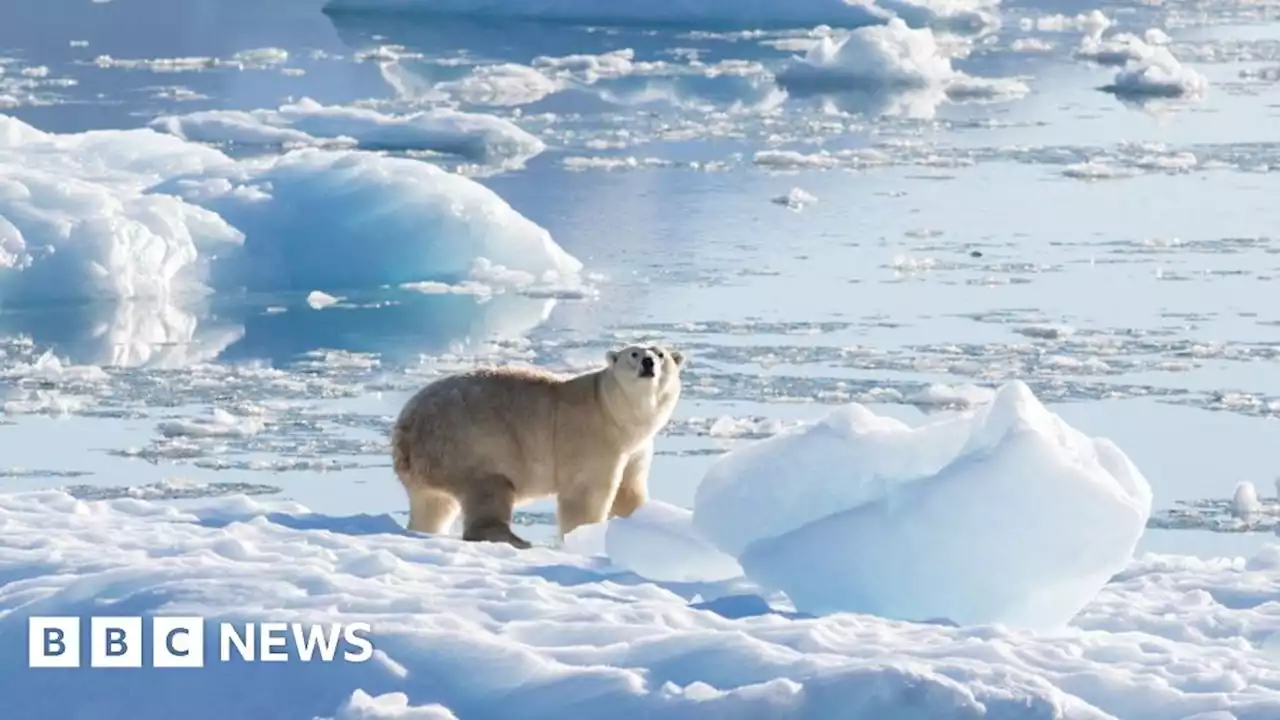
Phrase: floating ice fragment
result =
(795, 199)
(319, 300)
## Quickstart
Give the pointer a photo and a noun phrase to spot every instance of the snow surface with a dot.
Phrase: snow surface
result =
(475, 630)
(1000, 514)
(477, 137)
(960, 15)
(139, 214)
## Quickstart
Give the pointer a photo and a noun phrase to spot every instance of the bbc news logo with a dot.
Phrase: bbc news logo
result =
(179, 642)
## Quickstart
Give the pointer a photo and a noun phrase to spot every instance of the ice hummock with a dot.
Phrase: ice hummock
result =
(137, 214)
(474, 136)
(1001, 514)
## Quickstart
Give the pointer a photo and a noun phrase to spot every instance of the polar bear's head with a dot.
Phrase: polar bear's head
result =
(646, 386)
(651, 366)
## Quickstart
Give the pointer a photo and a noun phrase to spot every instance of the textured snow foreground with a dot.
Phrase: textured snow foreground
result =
(141, 214)
(482, 630)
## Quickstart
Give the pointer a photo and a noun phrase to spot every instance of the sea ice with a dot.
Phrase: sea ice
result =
(318, 300)
(380, 220)
(502, 84)
(795, 199)
(139, 214)
(76, 221)
(1120, 48)
(1158, 74)
(221, 424)
(476, 137)
(888, 65)
(1148, 67)
(1003, 513)
(1093, 23)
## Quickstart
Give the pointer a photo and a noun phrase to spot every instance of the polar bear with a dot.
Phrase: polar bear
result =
(485, 441)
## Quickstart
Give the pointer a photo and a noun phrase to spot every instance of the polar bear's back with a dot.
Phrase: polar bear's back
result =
(484, 421)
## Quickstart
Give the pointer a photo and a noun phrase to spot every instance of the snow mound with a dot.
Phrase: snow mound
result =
(1001, 514)
(477, 137)
(885, 61)
(138, 214)
(1170, 637)
(962, 15)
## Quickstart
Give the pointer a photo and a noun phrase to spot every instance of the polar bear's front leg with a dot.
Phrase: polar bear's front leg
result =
(586, 494)
(633, 491)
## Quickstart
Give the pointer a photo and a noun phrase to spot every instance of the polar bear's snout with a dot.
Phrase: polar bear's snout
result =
(646, 366)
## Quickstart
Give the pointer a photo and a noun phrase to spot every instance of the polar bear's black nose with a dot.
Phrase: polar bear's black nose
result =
(647, 363)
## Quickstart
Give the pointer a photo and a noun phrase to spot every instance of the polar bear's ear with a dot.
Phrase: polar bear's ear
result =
(678, 357)
(611, 356)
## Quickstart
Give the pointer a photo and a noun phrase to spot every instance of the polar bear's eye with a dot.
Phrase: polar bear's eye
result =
(660, 355)
(634, 354)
